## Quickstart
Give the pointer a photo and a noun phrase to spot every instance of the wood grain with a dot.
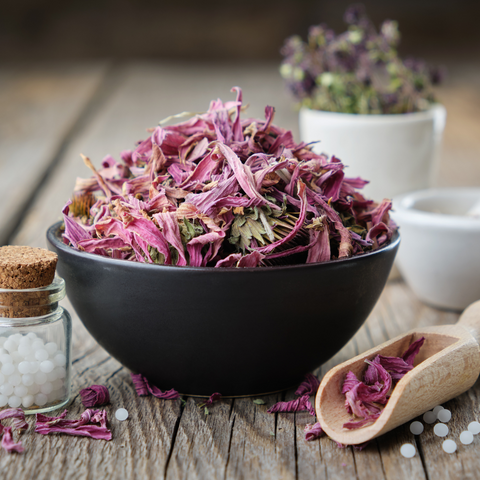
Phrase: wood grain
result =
(238, 439)
(38, 108)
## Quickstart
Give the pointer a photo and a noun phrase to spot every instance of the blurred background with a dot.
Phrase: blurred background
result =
(214, 29)
(90, 76)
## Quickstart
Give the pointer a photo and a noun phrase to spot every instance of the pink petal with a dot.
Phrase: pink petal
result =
(313, 432)
(8, 443)
(95, 395)
(309, 386)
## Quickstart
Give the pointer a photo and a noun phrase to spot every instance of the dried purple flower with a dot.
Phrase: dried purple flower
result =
(357, 71)
(140, 384)
(8, 443)
(168, 395)
(361, 446)
(219, 191)
(18, 416)
(298, 405)
(309, 386)
(95, 395)
(214, 397)
(81, 427)
(313, 431)
(366, 399)
(142, 388)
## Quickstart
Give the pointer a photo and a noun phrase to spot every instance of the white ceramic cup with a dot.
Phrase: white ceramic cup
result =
(439, 256)
(396, 153)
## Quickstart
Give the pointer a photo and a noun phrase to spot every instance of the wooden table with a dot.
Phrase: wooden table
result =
(51, 113)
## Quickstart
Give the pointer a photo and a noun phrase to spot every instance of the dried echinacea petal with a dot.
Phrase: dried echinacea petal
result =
(309, 386)
(143, 388)
(95, 395)
(167, 395)
(18, 416)
(82, 426)
(313, 431)
(297, 405)
(140, 384)
(214, 397)
(218, 191)
(366, 399)
(8, 443)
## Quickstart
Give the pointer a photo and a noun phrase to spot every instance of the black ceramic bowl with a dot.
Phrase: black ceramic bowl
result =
(235, 331)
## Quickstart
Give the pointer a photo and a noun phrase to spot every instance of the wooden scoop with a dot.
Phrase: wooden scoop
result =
(448, 364)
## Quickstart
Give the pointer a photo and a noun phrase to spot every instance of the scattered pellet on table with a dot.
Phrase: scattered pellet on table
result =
(416, 428)
(466, 438)
(407, 450)
(444, 415)
(121, 414)
(449, 446)
(437, 409)
(429, 417)
(440, 430)
(474, 427)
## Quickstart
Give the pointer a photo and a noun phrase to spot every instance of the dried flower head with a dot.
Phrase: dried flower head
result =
(358, 71)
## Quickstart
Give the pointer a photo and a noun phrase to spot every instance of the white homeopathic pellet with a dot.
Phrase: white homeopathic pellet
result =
(440, 430)
(121, 414)
(474, 427)
(407, 450)
(449, 446)
(466, 438)
(437, 409)
(429, 417)
(444, 415)
(416, 428)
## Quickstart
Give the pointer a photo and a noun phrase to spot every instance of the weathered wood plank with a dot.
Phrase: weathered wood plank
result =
(202, 442)
(310, 462)
(464, 462)
(253, 442)
(38, 107)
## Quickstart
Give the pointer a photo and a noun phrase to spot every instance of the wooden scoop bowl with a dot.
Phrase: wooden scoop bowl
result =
(448, 364)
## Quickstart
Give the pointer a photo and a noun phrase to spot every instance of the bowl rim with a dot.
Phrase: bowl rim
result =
(53, 239)
(405, 212)
(434, 110)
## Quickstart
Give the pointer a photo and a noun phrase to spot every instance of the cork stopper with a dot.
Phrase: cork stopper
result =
(25, 268)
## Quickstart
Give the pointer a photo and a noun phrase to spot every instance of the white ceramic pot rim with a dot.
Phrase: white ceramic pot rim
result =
(405, 210)
(355, 118)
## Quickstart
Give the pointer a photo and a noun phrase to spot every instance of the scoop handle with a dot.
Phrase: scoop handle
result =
(470, 319)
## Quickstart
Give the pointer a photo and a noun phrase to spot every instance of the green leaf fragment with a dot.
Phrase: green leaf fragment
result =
(259, 401)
